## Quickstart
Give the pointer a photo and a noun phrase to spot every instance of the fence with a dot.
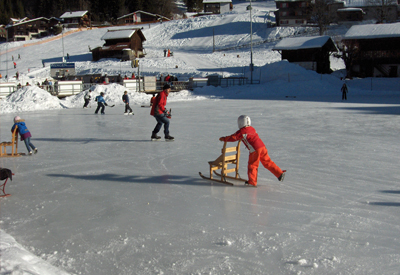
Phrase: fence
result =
(6, 89)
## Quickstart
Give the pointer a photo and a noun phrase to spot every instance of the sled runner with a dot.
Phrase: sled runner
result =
(13, 144)
(230, 156)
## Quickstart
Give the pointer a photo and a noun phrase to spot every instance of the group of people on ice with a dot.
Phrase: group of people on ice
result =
(246, 133)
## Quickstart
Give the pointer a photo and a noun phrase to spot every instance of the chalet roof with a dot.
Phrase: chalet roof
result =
(216, 1)
(350, 9)
(373, 31)
(24, 21)
(73, 14)
(301, 43)
(369, 3)
(145, 12)
(121, 34)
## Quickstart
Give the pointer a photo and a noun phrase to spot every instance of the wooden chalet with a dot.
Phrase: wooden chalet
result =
(309, 52)
(125, 44)
(140, 17)
(292, 12)
(76, 19)
(27, 29)
(217, 6)
(372, 50)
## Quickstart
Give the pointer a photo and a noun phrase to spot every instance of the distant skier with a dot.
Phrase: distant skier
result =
(161, 114)
(125, 99)
(344, 91)
(87, 98)
(101, 103)
(258, 151)
(165, 52)
(24, 133)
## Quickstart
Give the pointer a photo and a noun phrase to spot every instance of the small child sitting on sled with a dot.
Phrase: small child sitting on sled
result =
(258, 151)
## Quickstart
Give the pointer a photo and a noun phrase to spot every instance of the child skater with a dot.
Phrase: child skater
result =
(125, 99)
(24, 133)
(101, 103)
(258, 151)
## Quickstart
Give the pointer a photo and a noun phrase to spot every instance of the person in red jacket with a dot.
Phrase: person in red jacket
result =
(258, 151)
(161, 114)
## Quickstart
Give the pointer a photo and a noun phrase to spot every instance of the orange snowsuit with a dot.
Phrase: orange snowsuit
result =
(258, 152)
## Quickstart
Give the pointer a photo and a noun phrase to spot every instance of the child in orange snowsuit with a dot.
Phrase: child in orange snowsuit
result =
(258, 151)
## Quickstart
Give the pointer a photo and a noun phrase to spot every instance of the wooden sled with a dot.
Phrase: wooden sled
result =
(13, 144)
(230, 156)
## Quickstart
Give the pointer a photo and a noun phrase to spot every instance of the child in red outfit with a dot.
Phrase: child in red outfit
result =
(258, 151)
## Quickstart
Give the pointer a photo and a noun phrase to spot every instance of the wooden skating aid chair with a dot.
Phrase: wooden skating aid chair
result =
(229, 156)
(13, 144)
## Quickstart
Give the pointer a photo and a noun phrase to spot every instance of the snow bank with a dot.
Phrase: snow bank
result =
(33, 98)
(17, 260)
(30, 98)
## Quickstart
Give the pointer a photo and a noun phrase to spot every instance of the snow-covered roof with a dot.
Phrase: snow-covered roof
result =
(298, 43)
(371, 31)
(28, 21)
(73, 14)
(369, 3)
(121, 34)
(349, 9)
(216, 1)
(139, 11)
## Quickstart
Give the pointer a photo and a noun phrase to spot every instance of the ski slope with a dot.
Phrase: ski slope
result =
(101, 198)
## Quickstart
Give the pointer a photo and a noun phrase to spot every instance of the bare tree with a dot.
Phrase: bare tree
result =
(349, 52)
(320, 14)
(383, 10)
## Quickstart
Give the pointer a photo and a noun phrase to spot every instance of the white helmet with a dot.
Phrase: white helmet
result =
(243, 121)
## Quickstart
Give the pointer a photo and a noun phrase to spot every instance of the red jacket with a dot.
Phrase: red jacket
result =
(158, 107)
(249, 137)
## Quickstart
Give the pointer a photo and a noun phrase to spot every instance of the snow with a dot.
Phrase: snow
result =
(101, 198)
(72, 14)
(302, 43)
(371, 31)
(118, 34)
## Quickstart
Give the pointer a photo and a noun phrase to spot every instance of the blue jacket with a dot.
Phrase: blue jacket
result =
(100, 99)
(22, 129)
(125, 98)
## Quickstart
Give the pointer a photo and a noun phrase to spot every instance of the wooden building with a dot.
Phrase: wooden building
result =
(76, 19)
(292, 12)
(139, 17)
(125, 44)
(27, 29)
(3, 33)
(372, 50)
(309, 52)
(217, 6)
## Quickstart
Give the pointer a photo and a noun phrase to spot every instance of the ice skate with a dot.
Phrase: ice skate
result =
(155, 137)
(282, 177)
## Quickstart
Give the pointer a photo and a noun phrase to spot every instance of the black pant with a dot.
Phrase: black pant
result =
(127, 107)
(344, 96)
(100, 105)
(86, 102)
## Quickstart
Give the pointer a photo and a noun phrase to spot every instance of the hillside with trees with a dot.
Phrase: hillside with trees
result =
(100, 10)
